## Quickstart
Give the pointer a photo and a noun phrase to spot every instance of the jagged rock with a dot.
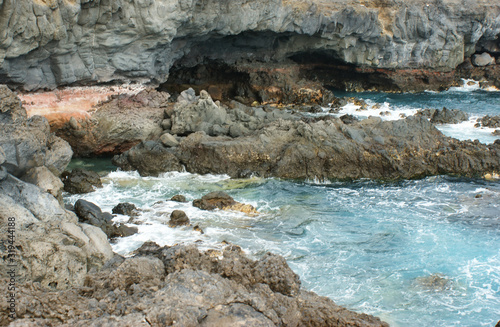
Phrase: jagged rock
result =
(178, 218)
(222, 201)
(483, 59)
(178, 198)
(193, 114)
(182, 286)
(444, 116)
(489, 121)
(80, 181)
(169, 140)
(46, 180)
(328, 148)
(127, 209)
(149, 158)
(348, 119)
(49, 236)
(28, 143)
(90, 213)
(145, 44)
(118, 124)
(10, 106)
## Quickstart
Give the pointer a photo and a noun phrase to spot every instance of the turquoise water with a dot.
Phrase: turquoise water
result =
(415, 253)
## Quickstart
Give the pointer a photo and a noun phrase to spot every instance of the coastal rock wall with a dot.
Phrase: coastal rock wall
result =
(48, 43)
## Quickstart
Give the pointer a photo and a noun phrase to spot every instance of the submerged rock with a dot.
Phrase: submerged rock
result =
(178, 198)
(80, 181)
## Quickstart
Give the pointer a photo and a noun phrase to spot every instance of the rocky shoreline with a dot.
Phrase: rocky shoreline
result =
(65, 272)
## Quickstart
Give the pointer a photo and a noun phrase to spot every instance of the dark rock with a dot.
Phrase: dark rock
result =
(348, 119)
(178, 198)
(127, 209)
(178, 218)
(489, 121)
(90, 213)
(198, 229)
(447, 116)
(149, 158)
(214, 200)
(496, 132)
(80, 181)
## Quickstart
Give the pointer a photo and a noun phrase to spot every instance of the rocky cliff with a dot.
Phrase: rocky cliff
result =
(48, 43)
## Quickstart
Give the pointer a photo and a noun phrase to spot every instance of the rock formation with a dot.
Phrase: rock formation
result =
(287, 145)
(181, 286)
(45, 43)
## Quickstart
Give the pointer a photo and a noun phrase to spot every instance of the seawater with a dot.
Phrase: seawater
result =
(415, 253)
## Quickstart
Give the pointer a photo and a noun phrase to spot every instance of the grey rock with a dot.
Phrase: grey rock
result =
(447, 116)
(489, 121)
(483, 59)
(166, 124)
(2, 156)
(46, 180)
(169, 140)
(73, 123)
(194, 114)
(50, 44)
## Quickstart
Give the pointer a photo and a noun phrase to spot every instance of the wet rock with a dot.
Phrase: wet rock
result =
(178, 198)
(80, 181)
(434, 282)
(489, 121)
(90, 213)
(169, 140)
(125, 208)
(496, 132)
(149, 158)
(483, 59)
(444, 116)
(178, 218)
(222, 201)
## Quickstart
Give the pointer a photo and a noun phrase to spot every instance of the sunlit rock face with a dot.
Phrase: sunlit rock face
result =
(49, 43)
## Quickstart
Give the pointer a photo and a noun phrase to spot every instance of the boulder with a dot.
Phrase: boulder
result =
(169, 140)
(489, 121)
(178, 198)
(178, 218)
(80, 181)
(222, 201)
(447, 116)
(194, 114)
(11, 109)
(149, 158)
(483, 59)
(90, 213)
(46, 180)
(127, 209)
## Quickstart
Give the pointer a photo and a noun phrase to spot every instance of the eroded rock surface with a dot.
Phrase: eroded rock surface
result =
(181, 286)
(45, 44)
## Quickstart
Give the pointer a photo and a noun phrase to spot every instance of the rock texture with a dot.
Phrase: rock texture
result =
(51, 43)
(180, 286)
(325, 147)
(80, 181)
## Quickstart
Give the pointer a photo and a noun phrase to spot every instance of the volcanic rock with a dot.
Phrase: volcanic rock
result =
(178, 218)
(483, 59)
(222, 201)
(80, 181)
(125, 208)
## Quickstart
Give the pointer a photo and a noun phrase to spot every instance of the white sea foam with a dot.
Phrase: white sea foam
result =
(470, 85)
